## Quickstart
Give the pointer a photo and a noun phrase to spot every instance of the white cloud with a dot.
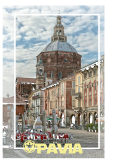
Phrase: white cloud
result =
(41, 28)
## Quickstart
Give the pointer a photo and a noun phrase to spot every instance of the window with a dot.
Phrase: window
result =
(40, 71)
(72, 92)
(90, 73)
(101, 70)
(79, 80)
(95, 86)
(90, 101)
(60, 75)
(73, 84)
(60, 32)
(9, 107)
(19, 114)
(52, 75)
(56, 103)
(50, 104)
(95, 71)
(100, 85)
(57, 32)
(8, 114)
(45, 75)
(90, 87)
(65, 60)
(85, 75)
(78, 89)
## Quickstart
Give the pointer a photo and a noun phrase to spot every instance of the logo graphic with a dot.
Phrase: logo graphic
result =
(29, 146)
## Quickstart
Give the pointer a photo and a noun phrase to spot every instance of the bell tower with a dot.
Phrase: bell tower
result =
(59, 32)
(39, 74)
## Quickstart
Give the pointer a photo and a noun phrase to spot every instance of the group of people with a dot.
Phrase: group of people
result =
(49, 124)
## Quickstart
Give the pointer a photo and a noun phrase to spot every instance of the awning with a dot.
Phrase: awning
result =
(100, 119)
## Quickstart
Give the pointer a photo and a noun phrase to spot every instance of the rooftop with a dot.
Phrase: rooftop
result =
(59, 46)
(13, 100)
(29, 80)
(92, 64)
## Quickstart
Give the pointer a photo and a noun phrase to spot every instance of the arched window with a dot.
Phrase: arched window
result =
(52, 75)
(60, 32)
(57, 32)
(90, 73)
(40, 72)
(60, 75)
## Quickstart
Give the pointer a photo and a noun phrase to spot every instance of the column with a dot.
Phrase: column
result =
(93, 120)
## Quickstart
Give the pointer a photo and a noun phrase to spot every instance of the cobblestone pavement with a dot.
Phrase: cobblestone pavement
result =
(86, 139)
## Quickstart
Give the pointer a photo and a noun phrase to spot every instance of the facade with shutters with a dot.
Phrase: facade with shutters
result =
(92, 91)
(36, 105)
(78, 95)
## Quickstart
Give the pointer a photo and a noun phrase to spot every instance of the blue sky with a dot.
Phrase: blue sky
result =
(33, 33)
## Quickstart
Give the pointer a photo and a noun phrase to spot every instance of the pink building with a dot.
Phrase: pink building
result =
(60, 96)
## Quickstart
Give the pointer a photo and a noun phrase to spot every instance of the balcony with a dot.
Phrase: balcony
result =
(61, 108)
(35, 114)
(78, 109)
(78, 95)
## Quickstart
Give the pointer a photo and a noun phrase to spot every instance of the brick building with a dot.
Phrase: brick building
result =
(59, 58)
(8, 104)
(23, 88)
(58, 96)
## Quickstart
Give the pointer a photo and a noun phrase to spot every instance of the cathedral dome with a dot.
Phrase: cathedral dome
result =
(59, 46)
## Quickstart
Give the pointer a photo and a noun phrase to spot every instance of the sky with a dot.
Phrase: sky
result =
(33, 34)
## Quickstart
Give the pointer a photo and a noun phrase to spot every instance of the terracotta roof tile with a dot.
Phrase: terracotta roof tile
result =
(30, 80)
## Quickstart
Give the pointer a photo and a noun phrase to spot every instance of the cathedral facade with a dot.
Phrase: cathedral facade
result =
(58, 59)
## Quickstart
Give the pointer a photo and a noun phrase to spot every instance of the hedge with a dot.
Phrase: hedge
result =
(95, 127)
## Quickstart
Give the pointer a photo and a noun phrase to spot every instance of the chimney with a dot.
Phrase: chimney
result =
(7, 95)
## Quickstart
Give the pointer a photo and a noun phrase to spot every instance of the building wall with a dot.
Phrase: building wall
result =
(54, 62)
(90, 92)
(51, 100)
(22, 89)
(6, 112)
(36, 106)
(19, 109)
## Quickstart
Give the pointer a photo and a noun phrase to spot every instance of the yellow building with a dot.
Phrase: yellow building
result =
(78, 97)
